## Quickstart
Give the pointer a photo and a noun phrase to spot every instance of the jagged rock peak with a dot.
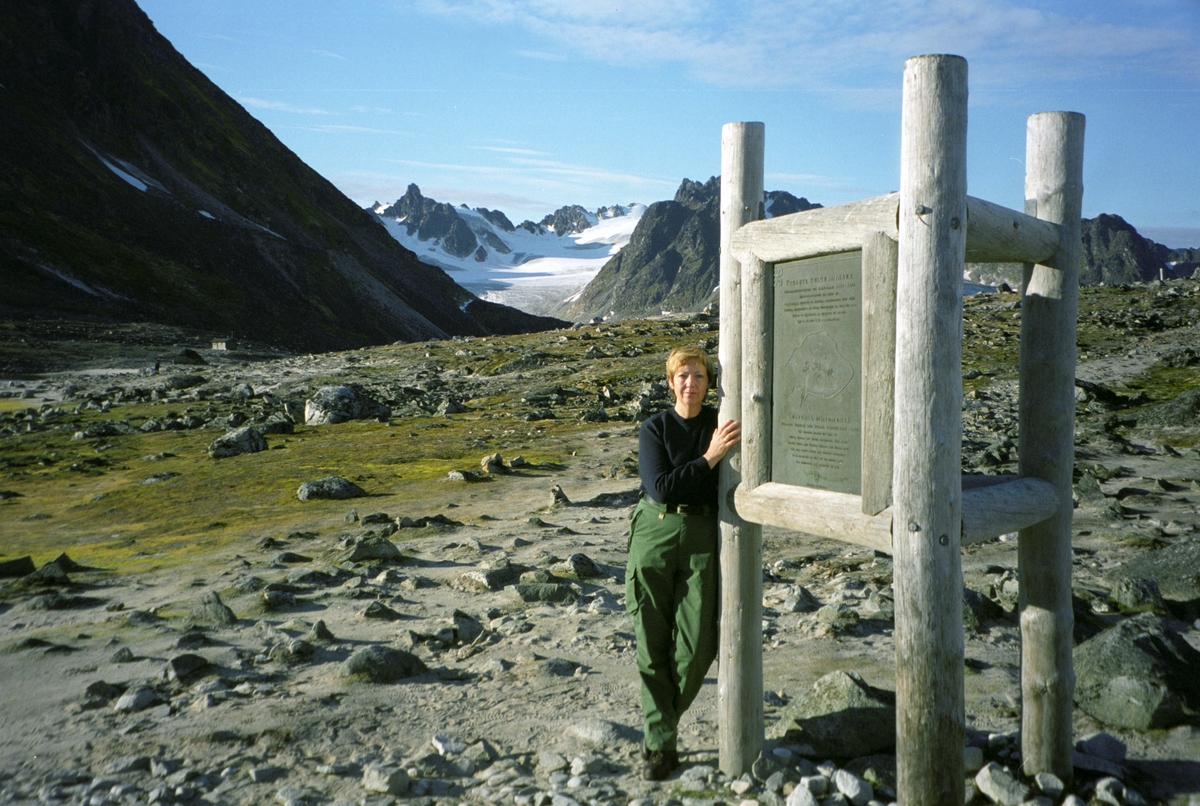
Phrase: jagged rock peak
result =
(695, 195)
(496, 218)
(430, 219)
(1114, 253)
(569, 219)
(780, 202)
(612, 211)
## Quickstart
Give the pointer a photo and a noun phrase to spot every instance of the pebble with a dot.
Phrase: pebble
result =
(391, 780)
(138, 699)
(854, 788)
(262, 775)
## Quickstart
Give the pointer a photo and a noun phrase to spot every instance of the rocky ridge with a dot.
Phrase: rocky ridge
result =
(136, 190)
(671, 261)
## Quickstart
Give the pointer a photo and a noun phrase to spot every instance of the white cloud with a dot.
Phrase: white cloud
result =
(816, 44)
(330, 54)
(545, 57)
(528, 152)
(332, 128)
(280, 106)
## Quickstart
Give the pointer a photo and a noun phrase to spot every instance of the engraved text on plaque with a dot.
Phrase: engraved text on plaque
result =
(817, 407)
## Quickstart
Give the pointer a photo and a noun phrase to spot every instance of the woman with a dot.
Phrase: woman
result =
(671, 580)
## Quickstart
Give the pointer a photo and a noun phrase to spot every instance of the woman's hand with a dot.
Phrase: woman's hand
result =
(725, 437)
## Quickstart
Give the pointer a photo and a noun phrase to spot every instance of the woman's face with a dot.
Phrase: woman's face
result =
(689, 384)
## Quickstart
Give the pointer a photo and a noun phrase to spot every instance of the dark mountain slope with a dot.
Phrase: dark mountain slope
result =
(212, 222)
(672, 260)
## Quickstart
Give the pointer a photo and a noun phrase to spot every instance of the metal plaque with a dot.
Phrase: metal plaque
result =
(816, 427)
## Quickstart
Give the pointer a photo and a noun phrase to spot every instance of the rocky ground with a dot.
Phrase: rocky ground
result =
(457, 634)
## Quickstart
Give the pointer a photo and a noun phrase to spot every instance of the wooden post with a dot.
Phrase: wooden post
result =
(758, 294)
(879, 258)
(927, 483)
(739, 666)
(1053, 192)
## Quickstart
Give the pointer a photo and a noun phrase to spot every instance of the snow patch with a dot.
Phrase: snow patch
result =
(130, 178)
(208, 215)
(82, 286)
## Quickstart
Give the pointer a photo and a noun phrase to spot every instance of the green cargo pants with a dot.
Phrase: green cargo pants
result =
(671, 592)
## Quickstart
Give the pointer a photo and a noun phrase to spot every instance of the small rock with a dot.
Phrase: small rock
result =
(278, 600)
(381, 664)
(378, 610)
(549, 762)
(128, 764)
(1110, 790)
(320, 633)
(972, 759)
(291, 796)
(264, 775)
(801, 797)
(558, 497)
(246, 439)
(854, 788)
(1138, 594)
(365, 549)
(137, 699)
(183, 666)
(338, 404)
(493, 464)
(995, 782)
(391, 780)
(580, 566)
(329, 487)
(212, 610)
(1049, 784)
(540, 592)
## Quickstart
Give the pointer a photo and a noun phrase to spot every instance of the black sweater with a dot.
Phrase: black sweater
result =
(671, 459)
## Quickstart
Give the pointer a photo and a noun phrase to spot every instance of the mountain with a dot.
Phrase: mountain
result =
(1114, 253)
(133, 188)
(534, 266)
(672, 260)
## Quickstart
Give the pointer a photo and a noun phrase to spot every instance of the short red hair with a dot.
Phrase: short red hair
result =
(682, 355)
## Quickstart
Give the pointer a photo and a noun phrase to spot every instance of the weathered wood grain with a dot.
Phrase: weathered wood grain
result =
(739, 666)
(1054, 188)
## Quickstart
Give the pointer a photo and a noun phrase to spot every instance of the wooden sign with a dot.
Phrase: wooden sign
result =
(816, 428)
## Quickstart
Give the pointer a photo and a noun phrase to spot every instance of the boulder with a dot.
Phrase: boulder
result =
(1138, 674)
(212, 610)
(246, 439)
(365, 549)
(540, 592)
(337, 404)
(493, 463)
(184, 666)
(277, 424)
(17, 568)
(1176, 569)
(579, 566)
(329, 487)
(842, 716)
(381, 664)
(978, 609)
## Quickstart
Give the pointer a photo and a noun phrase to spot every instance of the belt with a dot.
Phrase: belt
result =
(702, 510)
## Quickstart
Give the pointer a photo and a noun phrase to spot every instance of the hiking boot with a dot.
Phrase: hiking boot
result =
(659, 764)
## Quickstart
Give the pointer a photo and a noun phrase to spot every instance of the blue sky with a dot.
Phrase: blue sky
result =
(527, 105)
